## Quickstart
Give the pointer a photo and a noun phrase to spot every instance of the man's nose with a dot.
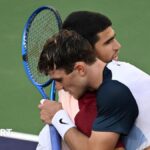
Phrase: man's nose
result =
(117, 45)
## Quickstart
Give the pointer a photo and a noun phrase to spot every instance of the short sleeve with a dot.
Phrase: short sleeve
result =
(117, 108)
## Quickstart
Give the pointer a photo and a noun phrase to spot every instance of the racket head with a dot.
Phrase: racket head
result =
(43, 23)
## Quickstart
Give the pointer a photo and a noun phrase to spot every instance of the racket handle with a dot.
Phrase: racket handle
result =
(55, 137)
(52, 91)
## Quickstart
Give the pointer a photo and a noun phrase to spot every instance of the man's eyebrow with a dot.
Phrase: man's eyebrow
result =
(110, 39)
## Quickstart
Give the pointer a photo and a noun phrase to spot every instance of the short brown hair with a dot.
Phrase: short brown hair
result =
(63, 50)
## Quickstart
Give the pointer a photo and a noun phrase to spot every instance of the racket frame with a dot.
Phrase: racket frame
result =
(40, 87)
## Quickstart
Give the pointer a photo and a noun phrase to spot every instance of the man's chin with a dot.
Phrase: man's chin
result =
(115, 58)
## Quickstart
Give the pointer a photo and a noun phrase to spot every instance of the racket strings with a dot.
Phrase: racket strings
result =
(43, 26)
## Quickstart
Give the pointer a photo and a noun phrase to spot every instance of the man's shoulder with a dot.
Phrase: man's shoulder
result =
(122, 67)
(112, 91)
(127, 74)
(125, 68)
(110, 86)
(115, 103)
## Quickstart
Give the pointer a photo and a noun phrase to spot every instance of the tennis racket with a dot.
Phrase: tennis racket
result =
(43, 23)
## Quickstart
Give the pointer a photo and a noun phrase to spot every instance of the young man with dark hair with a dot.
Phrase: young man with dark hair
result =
(90, 25)
(118, 86)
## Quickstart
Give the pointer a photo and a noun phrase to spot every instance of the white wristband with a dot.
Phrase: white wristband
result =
(42, 101)
(62, 122)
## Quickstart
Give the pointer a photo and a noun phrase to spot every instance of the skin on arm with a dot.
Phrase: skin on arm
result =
(98, 140)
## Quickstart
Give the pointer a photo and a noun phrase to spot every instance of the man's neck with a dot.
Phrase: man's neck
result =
(95, 74)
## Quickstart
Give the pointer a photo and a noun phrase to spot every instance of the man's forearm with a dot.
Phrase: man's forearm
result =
(76, 140)
(98, 140)
(66, 128)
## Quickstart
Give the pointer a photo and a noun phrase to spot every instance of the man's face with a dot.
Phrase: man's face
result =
(74, 82)
(107, 47)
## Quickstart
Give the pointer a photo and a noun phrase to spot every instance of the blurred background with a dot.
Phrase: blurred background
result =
(18, 98)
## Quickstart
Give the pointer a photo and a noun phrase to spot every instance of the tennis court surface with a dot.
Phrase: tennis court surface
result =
(18, 141)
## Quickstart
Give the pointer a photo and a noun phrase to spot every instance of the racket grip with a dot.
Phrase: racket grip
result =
(55, 137)
(52, 91)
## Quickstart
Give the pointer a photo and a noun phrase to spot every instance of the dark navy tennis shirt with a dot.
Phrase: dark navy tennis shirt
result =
(116, 106)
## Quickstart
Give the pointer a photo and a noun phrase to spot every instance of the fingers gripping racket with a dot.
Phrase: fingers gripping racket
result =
(43, 23)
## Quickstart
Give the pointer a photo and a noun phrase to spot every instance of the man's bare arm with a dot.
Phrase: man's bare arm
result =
(98, 140)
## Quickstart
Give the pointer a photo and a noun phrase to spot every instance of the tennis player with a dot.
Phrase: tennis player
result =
(77, 21)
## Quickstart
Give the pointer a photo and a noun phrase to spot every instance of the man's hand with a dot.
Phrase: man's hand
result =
(48, 109)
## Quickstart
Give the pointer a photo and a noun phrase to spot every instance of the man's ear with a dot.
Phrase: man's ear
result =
(80, 67)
